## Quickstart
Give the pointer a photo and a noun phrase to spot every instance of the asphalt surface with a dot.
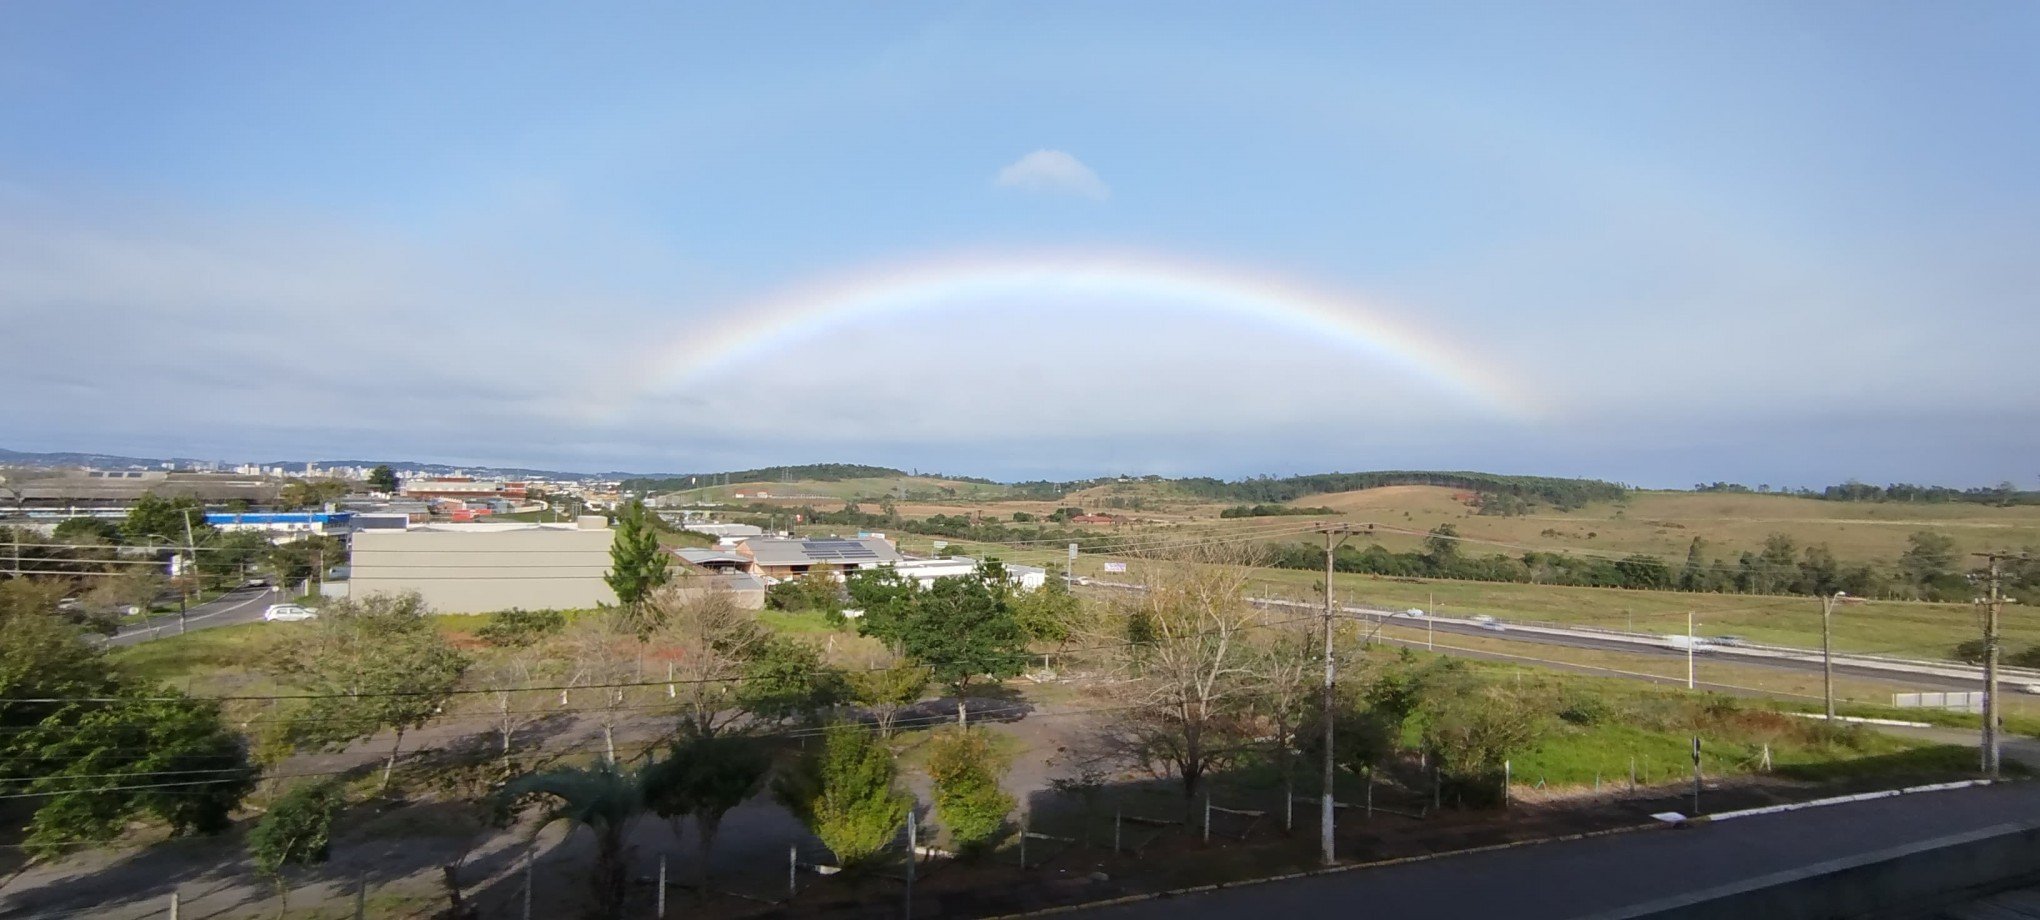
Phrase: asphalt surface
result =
(241, 605)
(1580, 877)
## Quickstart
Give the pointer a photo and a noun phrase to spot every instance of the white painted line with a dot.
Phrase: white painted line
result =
(1845, 799)
(259, 596)
(1864, 720)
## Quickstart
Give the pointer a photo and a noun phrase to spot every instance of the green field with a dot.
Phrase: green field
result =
(1898, 628)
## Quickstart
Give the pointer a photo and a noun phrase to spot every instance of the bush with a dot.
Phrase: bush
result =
(844, 793)
(520, 628)
(1470, 735)
(1580, 708)
(966, 774)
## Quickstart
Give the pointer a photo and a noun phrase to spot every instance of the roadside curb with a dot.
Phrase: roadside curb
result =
(1330, 870)
(1514, 844)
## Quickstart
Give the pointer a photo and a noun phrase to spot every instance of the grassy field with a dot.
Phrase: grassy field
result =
(1900, 628)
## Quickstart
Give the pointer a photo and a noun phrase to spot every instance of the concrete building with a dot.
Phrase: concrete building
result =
(925, 571)
(477, 568)
(461, 488)
(114, 491)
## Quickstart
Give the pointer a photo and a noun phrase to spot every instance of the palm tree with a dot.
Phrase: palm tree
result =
(605, 798)
(704, 777)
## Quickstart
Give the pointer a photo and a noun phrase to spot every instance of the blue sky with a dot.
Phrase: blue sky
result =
(1785, 243)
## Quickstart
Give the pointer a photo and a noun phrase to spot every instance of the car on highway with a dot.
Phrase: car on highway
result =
(1683, 642)
(289, 613)
(1488, 623)
(256, 583)
(1412, 612)
(1729, 641)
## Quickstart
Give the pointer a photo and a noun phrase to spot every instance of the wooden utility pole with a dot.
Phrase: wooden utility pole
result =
(1828, 602)
(1328, 852)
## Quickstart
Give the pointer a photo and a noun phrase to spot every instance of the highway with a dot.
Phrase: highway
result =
(241, 605)
(1901, 673)
(1601, 874)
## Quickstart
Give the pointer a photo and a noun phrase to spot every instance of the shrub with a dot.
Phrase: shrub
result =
(966, 774)
(844, 793)
(520, 628)
(1581, 708)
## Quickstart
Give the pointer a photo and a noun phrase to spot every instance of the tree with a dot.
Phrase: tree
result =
(887, 599)
(382, 479)
(1188, 687)
(605, 798)
(519, 628)
(786, 678)
(1046, 613)
(1929, 559)
(1470, 733)
(845, 793)
(710, 643)
(1694, 576)
(154, 516)
(302, 494)
(229, 556)
(967, 794)
(637, 563)
(609, 657)
(887, 691)
(963, 630)
(296, 831)
(299, 561)
(703, 778)
(134, 587)
(1779, 558)
(1442, 546)
(98, 765)
(1288, 666)
(86, 530)
(371, 664)
(815, 590)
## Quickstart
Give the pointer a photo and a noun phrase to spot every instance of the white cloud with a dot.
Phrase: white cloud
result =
(1053, 171)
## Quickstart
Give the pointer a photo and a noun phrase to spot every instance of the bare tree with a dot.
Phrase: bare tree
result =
(710, 642)
(607, 654)
(1189, 663)
(1288, 667)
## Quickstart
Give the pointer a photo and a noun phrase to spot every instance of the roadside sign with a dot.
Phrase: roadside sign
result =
(941, 544)
(1115, 566)
(1073, 553)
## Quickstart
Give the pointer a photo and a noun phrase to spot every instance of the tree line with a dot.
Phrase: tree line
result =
(1930, 569)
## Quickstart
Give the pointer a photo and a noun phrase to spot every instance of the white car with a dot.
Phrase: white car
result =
(1412, 612)
(1488, 623)
(289, 613)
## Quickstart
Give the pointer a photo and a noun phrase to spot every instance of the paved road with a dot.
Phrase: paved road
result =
(1605, 873)
(1805, 662)
(241, 605)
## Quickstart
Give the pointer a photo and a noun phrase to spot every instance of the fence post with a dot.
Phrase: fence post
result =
(660, 910)
(1632, 773)
(173, 905)
(792, 871)
(1115, 827)
(1370, 792)
(528, 861)
(1207, 817)
(1506, 771)
(1023, 840)
(361, 897)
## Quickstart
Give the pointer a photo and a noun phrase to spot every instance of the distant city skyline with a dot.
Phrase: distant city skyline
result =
(1760, 242)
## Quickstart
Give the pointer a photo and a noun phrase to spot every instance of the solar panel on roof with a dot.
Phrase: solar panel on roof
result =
(836, 549)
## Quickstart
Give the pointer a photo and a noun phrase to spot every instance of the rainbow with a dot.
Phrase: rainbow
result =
(749, 332)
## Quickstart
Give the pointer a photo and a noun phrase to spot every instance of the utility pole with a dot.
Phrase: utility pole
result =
(1994, 609)
(1328, 852)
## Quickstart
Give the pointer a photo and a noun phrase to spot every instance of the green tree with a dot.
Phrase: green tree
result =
(382, 479)
(86, 530)
(966, 773)
(372, 664)
(845, 793)
(887, 599)
(963, 630)
(785, 678)
(296, 831)
(1045, 613)
(1929, 561)
(96, 766)
(1694, 576)
(605, 798)
(228, 557)
(1442, 546)
(312, 494)
(1776, 563)
(165, 519)
(1469, 735)
(703, 778)
(299, 561)
(637, 563)
(887, 691)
